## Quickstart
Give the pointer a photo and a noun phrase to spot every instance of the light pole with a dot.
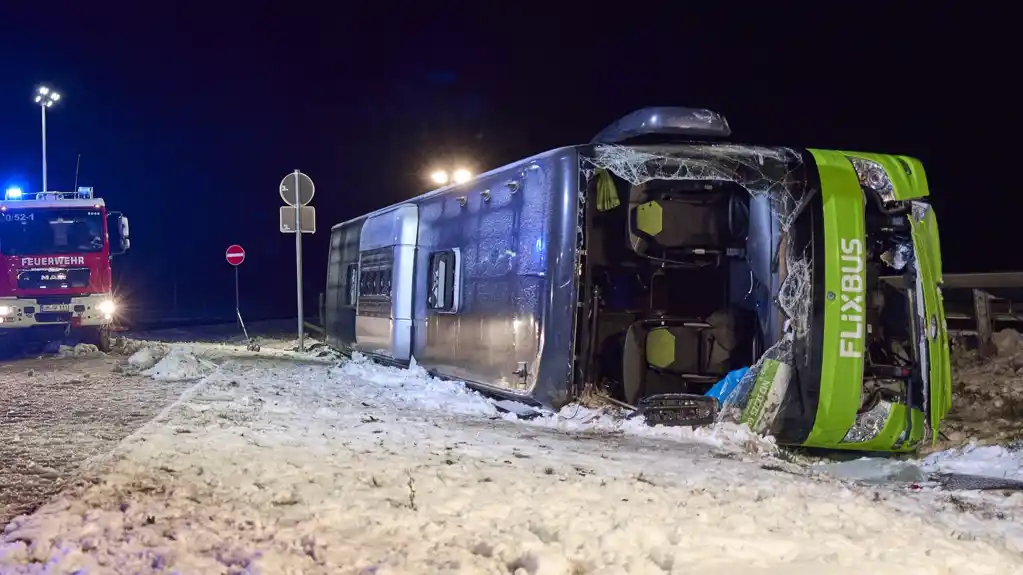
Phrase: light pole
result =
(46, 98)
(459, 176)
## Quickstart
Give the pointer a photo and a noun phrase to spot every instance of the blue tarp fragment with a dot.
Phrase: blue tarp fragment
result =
(726, 386)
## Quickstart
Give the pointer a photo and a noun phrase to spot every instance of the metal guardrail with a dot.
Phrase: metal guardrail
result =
(137, 318)
(998, 280)
(992, 299)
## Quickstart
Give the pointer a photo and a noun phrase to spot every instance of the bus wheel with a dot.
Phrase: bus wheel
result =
(97, 336)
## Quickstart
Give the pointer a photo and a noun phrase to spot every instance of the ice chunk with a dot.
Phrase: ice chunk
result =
(143, 359)
(986, 461)
(876, 470)
(180, 365)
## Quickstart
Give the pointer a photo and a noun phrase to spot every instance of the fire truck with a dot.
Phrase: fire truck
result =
(55, 252)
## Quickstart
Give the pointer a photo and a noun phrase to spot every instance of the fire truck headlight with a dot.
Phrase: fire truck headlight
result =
(107, 307)
(6, 310)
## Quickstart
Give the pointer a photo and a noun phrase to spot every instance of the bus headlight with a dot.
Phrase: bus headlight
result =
(107, 307)
(873, 175)
(6, 310)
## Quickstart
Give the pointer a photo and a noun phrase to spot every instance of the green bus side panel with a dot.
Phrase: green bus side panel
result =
(925, 237)
(844, 285)
(917, 421)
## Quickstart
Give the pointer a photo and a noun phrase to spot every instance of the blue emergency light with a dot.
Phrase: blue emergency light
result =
(13, 194)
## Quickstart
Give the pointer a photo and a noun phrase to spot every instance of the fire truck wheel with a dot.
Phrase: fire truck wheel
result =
(97, 336)
(8, 344)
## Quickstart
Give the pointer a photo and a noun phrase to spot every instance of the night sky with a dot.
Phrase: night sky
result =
(187, 115)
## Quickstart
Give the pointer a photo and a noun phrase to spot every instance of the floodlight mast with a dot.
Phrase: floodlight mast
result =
(45, 98)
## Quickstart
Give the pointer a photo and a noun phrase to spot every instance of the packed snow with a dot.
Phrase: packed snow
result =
(281, 462)
(143, 359)
(179, 365)
(986, 461)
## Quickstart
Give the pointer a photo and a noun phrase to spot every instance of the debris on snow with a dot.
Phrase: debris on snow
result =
(143, 359)
(180, 365)
(724, 435)
(521, 410)
(1007, 342)
(127, 346)
(987, 394)
(414, 388)
(321, 350)
(78, 350)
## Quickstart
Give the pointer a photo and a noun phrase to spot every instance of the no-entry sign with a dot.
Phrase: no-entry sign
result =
(235, 255)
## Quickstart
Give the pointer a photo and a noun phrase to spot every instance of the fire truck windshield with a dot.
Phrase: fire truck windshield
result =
(50, 231)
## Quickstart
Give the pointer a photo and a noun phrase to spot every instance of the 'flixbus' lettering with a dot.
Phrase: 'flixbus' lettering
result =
(851, 294)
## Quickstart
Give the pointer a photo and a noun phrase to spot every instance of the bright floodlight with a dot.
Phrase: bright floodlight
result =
(46, 97)
(462, 175)
(13, 193)
(439, 177)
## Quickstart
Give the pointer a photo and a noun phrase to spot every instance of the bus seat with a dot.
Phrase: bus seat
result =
(678, 225)
(674, 355)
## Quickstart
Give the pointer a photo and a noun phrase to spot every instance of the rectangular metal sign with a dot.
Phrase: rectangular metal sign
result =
(287, 220)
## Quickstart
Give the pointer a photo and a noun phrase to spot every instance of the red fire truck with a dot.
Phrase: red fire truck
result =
(55, 252)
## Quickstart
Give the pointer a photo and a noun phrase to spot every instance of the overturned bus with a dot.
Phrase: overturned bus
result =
(658, 261)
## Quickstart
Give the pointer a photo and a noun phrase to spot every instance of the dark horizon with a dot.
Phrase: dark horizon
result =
(186, 120)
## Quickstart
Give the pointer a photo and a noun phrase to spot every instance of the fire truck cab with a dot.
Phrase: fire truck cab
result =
(55, 252)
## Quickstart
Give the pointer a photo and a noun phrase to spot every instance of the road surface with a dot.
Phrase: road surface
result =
(56, 413)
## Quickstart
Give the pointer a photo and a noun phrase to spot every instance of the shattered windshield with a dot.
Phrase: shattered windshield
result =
(49, 231)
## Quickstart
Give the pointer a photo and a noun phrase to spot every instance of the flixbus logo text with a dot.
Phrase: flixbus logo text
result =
(850, 337)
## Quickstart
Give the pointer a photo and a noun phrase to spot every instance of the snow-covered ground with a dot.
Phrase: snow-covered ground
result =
(277, 462)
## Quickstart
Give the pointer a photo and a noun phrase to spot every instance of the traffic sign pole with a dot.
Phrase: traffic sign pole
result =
(297, 190)
(237, 303)
(235, 255)
(298, 257)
